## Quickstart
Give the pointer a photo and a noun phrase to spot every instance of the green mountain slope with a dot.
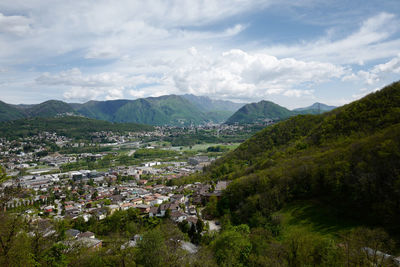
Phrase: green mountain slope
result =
(207, 104)
(9, 112)
(216, 110)
(101, 110)
(49, 108)
(257, 112)
(349, 157)
(70, 126)
(163, 110)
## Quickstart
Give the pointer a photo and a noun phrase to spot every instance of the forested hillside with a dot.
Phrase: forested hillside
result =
(9, 112)
(266, 110)
(349, 157)
(258, 112)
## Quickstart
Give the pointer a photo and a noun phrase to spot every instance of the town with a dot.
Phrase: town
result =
(59, 178)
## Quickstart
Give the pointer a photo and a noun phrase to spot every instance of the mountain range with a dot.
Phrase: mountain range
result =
(267, 110)
(172, 110)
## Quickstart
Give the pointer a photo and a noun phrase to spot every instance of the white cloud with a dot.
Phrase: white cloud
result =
(377, 73)
(241, 75)
(74, 77)
(234, 74)
(82, 93)
(17, 25)
(82, 87)
(391, 66)
(115, 93)
(297, 93)
(142, 48)
(370, 42)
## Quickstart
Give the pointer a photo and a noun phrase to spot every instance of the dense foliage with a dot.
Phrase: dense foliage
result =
(349, 157)
(9, 112)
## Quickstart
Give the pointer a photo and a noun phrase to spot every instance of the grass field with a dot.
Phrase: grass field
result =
(316, 218)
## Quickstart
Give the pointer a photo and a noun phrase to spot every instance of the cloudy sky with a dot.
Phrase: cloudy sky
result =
(291, 52)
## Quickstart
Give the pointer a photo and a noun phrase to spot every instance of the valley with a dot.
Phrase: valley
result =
(219, 188)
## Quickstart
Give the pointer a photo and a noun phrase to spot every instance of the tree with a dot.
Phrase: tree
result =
(152, 250)
(3, 174)
(232, 247)
(362, 246)
(55, 256)
(200, 225)
(12, 244)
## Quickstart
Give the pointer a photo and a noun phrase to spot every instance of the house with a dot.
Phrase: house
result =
(86, 234)
(113, 208)
(86, 217)
(137, 201)
(48, 209)
(153, 211)
(72, 233)
(143, 208)
(221, 185)
(75, 175)
(178, 216)
(90, 243)
(192, 220)
(178, 198)
(192, 210)
(132, 242)
(160, 210)
(125, 206)
(99, 213)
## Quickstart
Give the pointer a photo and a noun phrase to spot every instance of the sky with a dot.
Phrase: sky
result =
(293, 53)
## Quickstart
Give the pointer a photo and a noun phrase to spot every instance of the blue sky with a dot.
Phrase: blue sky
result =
(291, 52)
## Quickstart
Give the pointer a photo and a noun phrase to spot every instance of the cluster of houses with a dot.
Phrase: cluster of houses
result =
(83, 193)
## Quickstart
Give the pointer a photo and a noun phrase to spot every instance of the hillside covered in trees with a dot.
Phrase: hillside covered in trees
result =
(349, 157)
(264, 111)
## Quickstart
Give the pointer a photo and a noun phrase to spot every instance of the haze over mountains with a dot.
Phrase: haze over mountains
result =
(173, 110)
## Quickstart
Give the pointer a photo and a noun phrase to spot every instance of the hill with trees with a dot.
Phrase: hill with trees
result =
(264, 111)
(259, 112)
(9, 112)
(49, 108)
(348, 157)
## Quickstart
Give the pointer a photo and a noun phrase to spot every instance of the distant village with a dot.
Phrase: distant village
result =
(83, 193)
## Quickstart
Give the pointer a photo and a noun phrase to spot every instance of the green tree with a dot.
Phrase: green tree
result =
(55, 256)
(152, 250)
(232, 247)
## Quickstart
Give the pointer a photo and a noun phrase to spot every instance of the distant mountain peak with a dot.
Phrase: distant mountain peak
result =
(258, 112)
(316, 106)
